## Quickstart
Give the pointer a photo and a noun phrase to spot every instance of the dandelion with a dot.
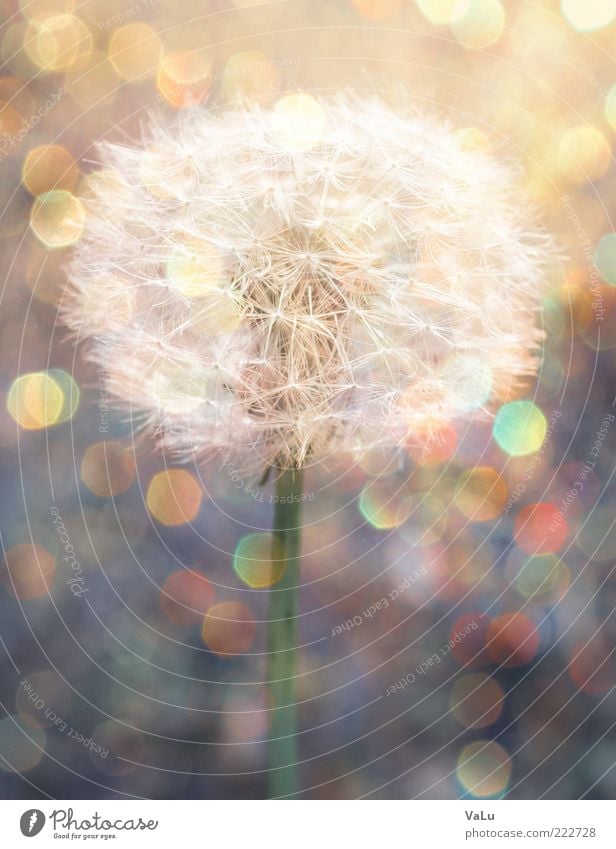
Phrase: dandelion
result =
(287, 283)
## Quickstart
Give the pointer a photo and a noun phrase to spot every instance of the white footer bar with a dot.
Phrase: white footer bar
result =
(299, 824)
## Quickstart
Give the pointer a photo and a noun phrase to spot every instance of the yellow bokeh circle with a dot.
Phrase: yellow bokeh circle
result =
(58, 42)
(57, 218)
(481, 494)
(174, 497)
(259, 560)
(484, 768)
(441, 12)
(228, 628)
(587, 15)
(48, 167)
(481, 25)
(135, 51)
(584, 154)
(35, 400)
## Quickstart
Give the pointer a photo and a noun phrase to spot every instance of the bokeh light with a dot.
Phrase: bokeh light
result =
(597, 536)
(477, 700)
(22, 743)
(471, 650)
(122, 746)
(249, 74)
(433, 444)
(543, 578)
(229, 628)
(186, 596)
(427, 519)
(472, 138)
(481, 494)
(584, 154)
(14, 52)
(135, 51)
(36, 400)
(484, 769)
(384, 503)
(442, 12)
(108, 468)
(40, 9)
(519, 428)
(605, 258)
(259, 560)
(593, 666)
(566, 310)
(512, 639)
(481, 25)
(96, 85)
(49, 167)
(585, 15)
(540, 529)
(28, 571)
(601, 335)
(49, 686)
(377, 10)
(469, 563)
(184, 77)
(71, 394)
(10, 120)
(58, 42)
(174, 497)
(609, 110)
(57, 218)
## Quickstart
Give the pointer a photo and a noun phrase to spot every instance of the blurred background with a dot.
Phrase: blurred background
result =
(457, 622)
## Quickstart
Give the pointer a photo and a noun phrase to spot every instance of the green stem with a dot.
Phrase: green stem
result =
(282, 629)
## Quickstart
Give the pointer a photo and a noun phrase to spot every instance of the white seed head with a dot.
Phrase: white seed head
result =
(317, 277)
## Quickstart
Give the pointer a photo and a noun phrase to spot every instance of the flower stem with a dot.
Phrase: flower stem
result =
(282, 629)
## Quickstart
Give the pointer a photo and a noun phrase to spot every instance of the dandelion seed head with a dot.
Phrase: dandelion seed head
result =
(317, 277)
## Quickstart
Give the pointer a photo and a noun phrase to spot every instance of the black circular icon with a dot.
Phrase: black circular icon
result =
(32, 822)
